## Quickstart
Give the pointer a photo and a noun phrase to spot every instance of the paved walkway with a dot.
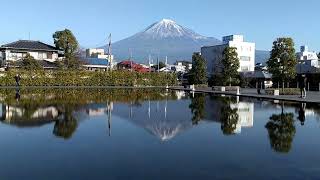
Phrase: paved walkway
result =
(312, 96)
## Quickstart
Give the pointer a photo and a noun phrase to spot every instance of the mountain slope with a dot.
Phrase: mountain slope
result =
(262, 56)
(164, 38)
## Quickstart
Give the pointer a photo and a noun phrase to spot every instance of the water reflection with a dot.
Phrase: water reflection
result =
(197, 107)
(281, 130)
(163, 114)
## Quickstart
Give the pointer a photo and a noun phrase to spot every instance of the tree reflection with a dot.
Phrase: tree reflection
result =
(67, 126)
(229, 117)
(197, 107)
(281, 130)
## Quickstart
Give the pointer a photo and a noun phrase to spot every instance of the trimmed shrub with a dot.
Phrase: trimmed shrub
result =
(87, 78)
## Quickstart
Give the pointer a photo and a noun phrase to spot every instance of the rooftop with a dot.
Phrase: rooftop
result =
(29, 45)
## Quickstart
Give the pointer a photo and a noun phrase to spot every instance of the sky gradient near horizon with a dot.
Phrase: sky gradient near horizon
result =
(91, 21)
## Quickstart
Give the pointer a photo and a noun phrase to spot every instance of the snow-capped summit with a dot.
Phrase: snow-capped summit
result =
(162, 39)
(167, 28)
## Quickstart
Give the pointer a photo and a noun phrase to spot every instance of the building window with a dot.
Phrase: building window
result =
(40, 56)
(245, 58)
(244, 68)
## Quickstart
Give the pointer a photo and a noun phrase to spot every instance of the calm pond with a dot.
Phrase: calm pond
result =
(154, 134)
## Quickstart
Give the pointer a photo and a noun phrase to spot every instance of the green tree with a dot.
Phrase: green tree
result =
(229, 117)
(29, 63)
(282, 62)
(197, 107)
(198, 73)
(281, 132)
(161, 65)
(66, 127)
(318, 55)
(67, 42)
(231, 64)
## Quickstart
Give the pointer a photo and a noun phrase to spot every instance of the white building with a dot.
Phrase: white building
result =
(180, 67)
(214, 54)
(246, 115)
(308, 58)
(17, 50)
(98, 53)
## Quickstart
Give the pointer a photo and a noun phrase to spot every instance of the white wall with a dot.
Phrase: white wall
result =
(14, 56)
(245, 49)
(214, 54)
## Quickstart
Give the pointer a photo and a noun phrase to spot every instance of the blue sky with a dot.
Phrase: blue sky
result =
(92, 21)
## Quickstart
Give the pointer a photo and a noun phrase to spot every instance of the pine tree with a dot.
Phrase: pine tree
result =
(282, 62)
(231, 64)
(29, 63)
(198, 73)
(67, 42)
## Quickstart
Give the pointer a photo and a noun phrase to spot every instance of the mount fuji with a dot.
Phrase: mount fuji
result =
(166, 38)
(161, 39)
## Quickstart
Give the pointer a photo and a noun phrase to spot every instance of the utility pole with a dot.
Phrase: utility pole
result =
(158, 64)
(130, 59)
(149, 63)
(109, 52)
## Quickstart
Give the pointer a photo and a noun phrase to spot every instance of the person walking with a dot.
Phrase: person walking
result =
(17, 78)
(303, 84)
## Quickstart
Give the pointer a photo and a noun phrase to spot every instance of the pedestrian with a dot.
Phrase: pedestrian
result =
(17, 97)
(258, 88)
(303, 84)
(302, 114)
(17, 78)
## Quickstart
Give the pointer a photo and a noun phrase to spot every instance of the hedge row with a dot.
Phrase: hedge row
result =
(86, 78)
(285, 91)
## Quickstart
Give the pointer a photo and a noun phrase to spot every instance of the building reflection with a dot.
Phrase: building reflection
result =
(28, 116)
(245, 111)
(230, 112)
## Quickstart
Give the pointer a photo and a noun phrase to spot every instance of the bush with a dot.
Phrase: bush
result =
(286, 91)
(87, 78)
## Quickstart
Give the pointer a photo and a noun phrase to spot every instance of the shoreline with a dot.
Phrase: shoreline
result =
(314, 99)
(293, 98)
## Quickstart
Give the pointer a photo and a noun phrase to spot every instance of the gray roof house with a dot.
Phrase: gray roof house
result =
(15, 51)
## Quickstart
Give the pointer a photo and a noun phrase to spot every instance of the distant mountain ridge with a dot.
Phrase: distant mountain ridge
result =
(164, 39)
(161, 39)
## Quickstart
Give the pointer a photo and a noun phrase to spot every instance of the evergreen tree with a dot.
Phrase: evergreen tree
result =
(229, 117)
(282, 62)
(67, 42)
(198, 73)
(281, 131)
(231, 64)
(318, 55)
(67, 126)
(161, 65)
(29, 63)
(197, 107)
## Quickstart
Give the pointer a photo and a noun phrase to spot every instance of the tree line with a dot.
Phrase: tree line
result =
(281, 64)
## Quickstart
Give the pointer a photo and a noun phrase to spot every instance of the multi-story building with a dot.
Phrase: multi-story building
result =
(98, 53)
(214, 54)
(308, 58)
